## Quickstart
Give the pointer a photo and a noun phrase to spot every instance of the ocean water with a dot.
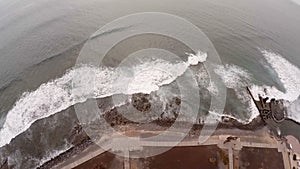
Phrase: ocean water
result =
(258, 42)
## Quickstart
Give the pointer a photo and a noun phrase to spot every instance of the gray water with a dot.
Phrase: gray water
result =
(41, 39)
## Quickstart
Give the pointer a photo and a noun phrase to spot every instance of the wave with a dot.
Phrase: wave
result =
(289, 76)
(86, 82)
(237, 78)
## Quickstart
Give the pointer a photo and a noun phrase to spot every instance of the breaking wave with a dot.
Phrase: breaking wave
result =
(237, 78)
(289, 76)
(85, 82)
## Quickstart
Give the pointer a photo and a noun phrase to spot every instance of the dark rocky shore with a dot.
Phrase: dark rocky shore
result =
(81, 141)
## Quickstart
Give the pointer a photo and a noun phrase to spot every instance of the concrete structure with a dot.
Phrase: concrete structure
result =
(230, 143)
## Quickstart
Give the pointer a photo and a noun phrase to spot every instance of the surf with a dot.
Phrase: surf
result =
(86, 82)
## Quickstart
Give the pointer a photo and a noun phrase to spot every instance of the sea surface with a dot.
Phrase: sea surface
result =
(258, 42)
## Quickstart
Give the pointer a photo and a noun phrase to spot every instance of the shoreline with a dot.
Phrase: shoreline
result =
(231, 126)
(83, 142)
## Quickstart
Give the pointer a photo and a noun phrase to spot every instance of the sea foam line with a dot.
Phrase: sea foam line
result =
(84, 82)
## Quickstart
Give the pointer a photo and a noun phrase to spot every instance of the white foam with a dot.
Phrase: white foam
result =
(84, 82)
(289, 75)
(53, 153)
(233, 76)
(149, 78)
(214, 115)
(213, 89)
(194, 59)
(238, 79)
(294, 110)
